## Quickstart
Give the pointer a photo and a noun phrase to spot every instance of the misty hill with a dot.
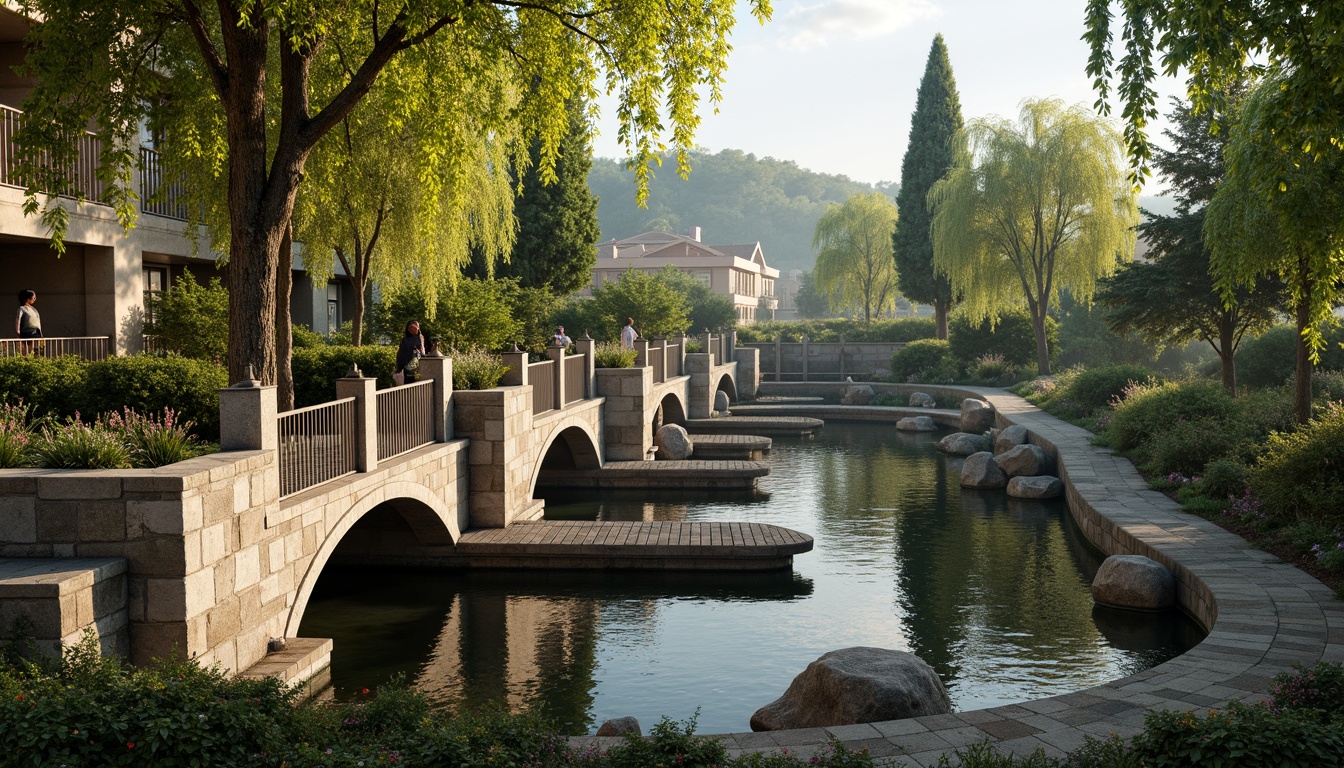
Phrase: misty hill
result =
(734, 197)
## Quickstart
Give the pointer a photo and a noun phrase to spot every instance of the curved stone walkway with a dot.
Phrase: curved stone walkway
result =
(1263, 615)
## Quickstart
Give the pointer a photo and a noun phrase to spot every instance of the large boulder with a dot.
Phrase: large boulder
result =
(1134, 581)
(856, 685)
(922, 400)
(980, 471)
(977, 416)
(1009, 437)
(858, 394)
(673, 442)
(916, 424)
(721, 401)
(1040, 487)
(963, 444)
(620, 726)
(1024, 460)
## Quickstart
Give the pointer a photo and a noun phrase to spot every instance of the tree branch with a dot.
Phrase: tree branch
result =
(215, 66)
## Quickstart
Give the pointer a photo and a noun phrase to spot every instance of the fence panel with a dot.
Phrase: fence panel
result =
(542, 378)
(405, 418)
(657, 359)
(673, 361)
(576, 379)
(80, 176)
(156, 196)
(90, 348)
(317, 444)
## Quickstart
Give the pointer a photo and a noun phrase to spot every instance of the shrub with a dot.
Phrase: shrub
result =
(16, 435)
(1099, 387)
(993, 370)
(1241, 735)
(51, 386)
(918, 359)
(316, 369)
(1318, 689)
(155, 441)
(1012, 336)
(302, 337)
(829, 330)
(1150, 409)
(190, 388)
(1302, 472)
(609, 354)
(72, 444)
(192, 320)
(477, 369)
(1223, 478)
(1187, 446)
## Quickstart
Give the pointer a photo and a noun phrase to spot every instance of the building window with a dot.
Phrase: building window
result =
(333, 308)
(155, 283)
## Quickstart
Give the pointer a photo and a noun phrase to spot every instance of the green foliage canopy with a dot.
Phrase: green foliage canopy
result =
(233, 89)
(855, 268)
(1031, 208)
(928, 157)
(192, 320)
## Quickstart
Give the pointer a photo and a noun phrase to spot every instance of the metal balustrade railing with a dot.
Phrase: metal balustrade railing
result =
(576, 379)
(405, 418)
(80, 175)
(88, 347)
(542, 378)
(317, 445)
(167, 199)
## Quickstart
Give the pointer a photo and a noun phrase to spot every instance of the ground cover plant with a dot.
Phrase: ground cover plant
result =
(609, 354)
(84, 710)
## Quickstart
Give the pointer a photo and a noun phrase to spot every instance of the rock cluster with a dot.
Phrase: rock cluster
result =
(859, 394)
(1026, 470)
(856, 685)
(977, 416)
(963, 444)
(916, 424)
(922, 400)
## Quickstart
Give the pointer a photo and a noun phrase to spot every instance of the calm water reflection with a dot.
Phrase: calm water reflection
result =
(993, 593)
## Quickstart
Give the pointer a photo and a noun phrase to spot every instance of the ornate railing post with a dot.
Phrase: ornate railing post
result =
(516, 359)
(440, 369)
(247, 416)
(587, 347)
(557, 355)
(641, 352)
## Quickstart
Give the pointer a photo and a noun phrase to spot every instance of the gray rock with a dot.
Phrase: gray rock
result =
(980, 471)
(1134, 581)
(1040, 487)
(977, 416)
(922, 400)
(963, 444)
(721, 403)
(673, 442)
(620, 726)
(1027, 460)
(856, 685)
(859, 394)
(1009, 437)
(916, 424)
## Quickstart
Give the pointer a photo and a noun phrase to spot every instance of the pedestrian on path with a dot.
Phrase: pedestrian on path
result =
(629, 334)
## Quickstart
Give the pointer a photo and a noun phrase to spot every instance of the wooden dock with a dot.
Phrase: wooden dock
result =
(740, 447)
(754, 425)
(637, 546)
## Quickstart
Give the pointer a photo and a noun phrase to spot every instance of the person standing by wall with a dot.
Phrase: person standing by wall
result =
(560, 339)
(28, 323)
(408, 355)
(629, 334)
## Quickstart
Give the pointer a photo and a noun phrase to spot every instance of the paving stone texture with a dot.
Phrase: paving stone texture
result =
(1262, 614)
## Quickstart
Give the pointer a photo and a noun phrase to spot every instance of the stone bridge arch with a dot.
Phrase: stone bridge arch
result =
(668, 409)
(575, 444)
(432, 520)
(725, 381)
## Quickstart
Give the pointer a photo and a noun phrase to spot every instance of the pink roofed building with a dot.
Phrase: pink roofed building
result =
(737, 271)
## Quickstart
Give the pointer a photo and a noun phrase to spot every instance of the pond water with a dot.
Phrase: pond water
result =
(993, 593)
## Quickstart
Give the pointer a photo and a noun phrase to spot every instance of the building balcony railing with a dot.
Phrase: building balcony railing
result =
(90, 348)
(157, 195)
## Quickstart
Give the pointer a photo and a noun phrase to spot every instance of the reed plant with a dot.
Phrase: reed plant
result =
(477, 369)
(73, 444)
(155, 440)
(609, 354)
(16, 435)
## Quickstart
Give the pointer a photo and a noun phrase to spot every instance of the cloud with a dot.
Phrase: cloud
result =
(808, 26)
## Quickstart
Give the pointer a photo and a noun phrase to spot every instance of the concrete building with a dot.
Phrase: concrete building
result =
(101, 285)
(736, 271)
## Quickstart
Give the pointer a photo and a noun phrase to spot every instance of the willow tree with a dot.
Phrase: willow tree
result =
(1280, 213)
(928, 157)
(231, 85)
(1032, 207)
(855, 268)
(402, 190)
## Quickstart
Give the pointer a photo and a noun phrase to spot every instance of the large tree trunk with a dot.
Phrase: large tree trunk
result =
(284, 328)
(1226, 350)
(940, 310)
(1302, 371)
(357, 322)
(1042, 349)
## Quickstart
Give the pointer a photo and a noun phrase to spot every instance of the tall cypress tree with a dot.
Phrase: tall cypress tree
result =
(557, 222)
(927, 158)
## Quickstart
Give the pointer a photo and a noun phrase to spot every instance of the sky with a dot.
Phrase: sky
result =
(831, 84)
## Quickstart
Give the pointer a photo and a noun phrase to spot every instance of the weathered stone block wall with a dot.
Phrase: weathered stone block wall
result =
(626, 412)
(59, 598)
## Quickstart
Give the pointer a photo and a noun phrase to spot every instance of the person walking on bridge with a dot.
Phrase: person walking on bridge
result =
(629, 334)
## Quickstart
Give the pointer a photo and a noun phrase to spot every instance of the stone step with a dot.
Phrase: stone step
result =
(745, 447)
(632, 545)
(305, 661)
(663, 475)
(755, 425)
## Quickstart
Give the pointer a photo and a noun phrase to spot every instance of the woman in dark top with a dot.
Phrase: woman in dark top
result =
(408, 354)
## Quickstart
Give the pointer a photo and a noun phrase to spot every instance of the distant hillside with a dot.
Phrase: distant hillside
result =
(732, 196)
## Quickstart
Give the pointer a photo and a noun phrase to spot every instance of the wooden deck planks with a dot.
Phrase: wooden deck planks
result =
(630, 539)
